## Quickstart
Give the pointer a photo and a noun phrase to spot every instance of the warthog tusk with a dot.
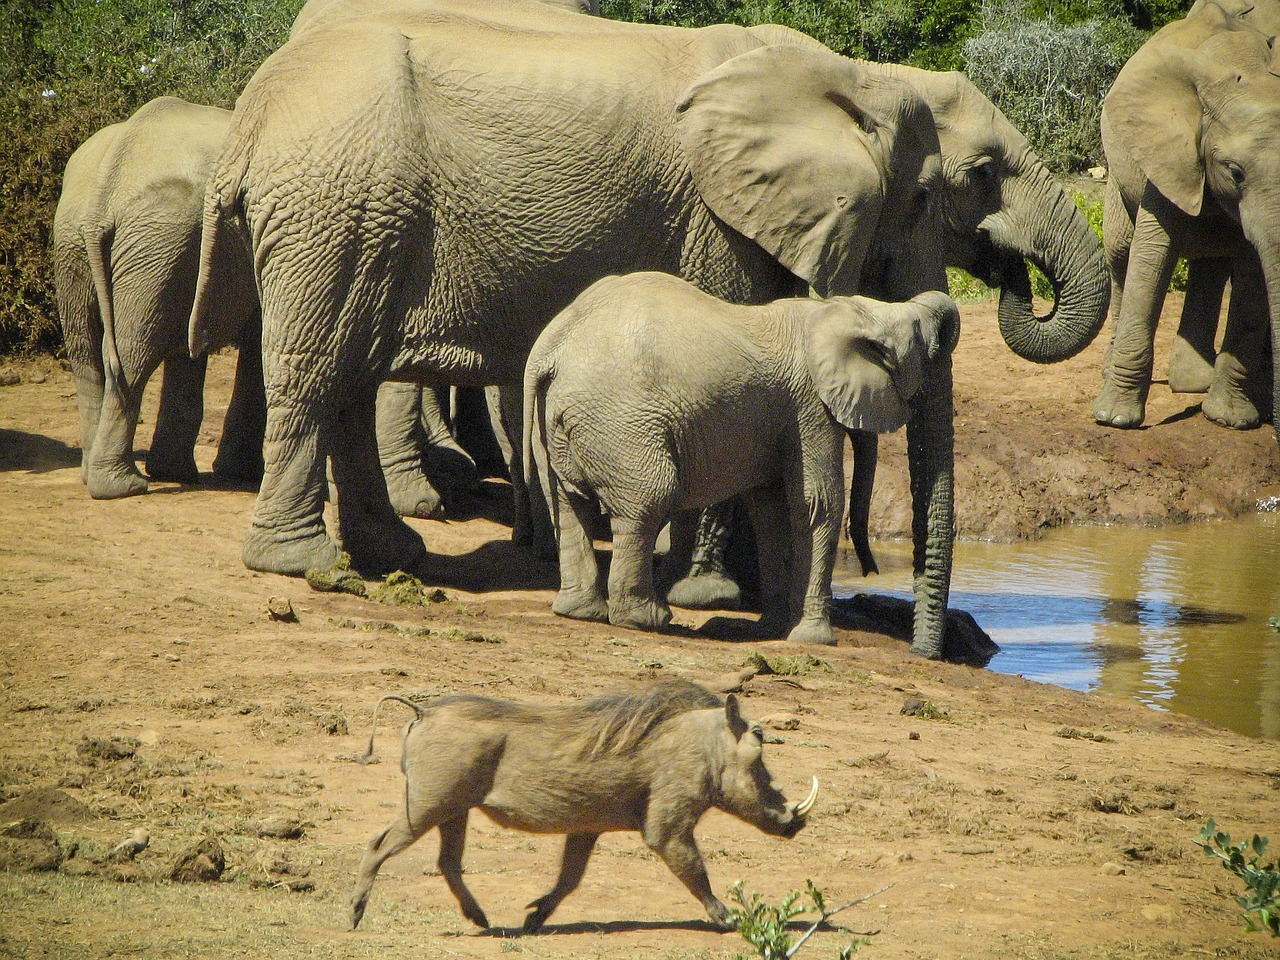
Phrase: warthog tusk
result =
(805, 805)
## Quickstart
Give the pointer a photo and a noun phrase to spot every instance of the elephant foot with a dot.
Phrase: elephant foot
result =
(640, 614)
(114, 482)
(1115, 407)
(1189, 371)
(580, 605)
(813, 631)
(1230, 408)
(239, 466)
(380, 545)
(705, 591)
(450, 467)
(178, 468)
(412, 495)
(293, 555)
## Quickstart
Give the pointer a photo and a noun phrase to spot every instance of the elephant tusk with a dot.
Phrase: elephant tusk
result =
(805, 805)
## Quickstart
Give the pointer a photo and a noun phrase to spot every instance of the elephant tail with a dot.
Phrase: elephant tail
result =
(97, 243)
(226, 260)
(536, 378)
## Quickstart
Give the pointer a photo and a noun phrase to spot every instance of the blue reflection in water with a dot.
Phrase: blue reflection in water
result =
(1173, 617)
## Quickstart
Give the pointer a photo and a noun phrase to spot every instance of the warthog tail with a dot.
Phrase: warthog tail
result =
(417, 708)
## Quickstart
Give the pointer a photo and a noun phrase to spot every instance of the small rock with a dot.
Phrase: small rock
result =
(393, 672)
(913, 735)
(203, 863)
(281, 828)
(781, 721)
(37, 377)
(281, 610)
(1113, 869)
(10, 377)
(128, 849)
(1098, 173)
(911, 707)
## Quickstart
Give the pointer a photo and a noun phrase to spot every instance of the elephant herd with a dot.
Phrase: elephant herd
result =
(634, 223)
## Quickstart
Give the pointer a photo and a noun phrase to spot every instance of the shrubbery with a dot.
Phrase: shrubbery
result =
(1049, 78)
(71, 67)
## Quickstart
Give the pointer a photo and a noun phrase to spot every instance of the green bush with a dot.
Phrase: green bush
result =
(70, 68)
(1049, 78)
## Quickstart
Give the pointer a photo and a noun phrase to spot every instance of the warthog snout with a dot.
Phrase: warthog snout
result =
(654, 762)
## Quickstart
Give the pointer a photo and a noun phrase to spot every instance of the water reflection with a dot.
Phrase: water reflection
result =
(1174, 617)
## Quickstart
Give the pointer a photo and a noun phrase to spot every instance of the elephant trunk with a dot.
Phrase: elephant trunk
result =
(930, 446)
(1269, 253)
(1041, 223)
(866, 445)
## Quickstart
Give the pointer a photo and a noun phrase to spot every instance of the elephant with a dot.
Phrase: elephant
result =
(126, 245)
(423, 190)
(1189, 128)
(997, 207)
(126, 241)
(654, 399)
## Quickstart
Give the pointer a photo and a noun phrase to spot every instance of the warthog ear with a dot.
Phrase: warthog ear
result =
(733, 714)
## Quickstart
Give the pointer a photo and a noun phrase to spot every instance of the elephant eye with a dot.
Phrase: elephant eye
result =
(1237, 173)
(983, 170)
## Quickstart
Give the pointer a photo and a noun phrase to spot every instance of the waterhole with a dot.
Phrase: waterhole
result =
(1175, 617)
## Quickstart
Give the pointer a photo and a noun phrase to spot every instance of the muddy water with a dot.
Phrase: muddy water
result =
(1175, 617)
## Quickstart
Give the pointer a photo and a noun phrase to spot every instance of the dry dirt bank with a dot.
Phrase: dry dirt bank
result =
(1002, 836)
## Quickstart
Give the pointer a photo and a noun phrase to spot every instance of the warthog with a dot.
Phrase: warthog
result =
(653, 761)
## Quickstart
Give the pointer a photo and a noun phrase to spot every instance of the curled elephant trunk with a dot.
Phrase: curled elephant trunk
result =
(1045, 226)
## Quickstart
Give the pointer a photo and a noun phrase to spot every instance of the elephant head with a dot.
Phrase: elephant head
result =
(1202, 123)
(830, 172)
(1000, 207)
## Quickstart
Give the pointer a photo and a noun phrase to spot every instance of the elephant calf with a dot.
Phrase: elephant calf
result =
(657, 399)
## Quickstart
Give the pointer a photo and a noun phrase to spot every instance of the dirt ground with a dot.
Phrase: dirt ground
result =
(1006, 818)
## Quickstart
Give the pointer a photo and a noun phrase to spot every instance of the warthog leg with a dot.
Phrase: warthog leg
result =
(386, 844)
(679, 851)
(453, 840)
(577, 851)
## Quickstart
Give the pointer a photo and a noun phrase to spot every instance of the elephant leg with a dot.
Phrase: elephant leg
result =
(172, 453)
(1236, 372)
(400, 449)
(369, 527)
(573, 864)
(866, 447)
(449, 468)
(474, 429)
(707, 586)
(637, 521)
(1127, 377)
(1191, 360)
(111, 472)
(89, 387)
(287, 534)
(581, 596)
(531, 520)
(814, 507)
(767, 507)
(684, 528)
(240, 449)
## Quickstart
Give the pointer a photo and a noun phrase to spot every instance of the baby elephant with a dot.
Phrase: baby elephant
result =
(656, 400)
(653, 761)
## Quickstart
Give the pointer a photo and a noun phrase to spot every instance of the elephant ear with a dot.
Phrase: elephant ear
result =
(781, 149)
(865, 359)
(1154, 109)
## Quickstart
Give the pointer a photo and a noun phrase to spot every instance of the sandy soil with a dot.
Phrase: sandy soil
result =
(1000, 833)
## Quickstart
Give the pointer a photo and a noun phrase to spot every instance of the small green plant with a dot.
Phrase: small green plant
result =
(785, 666)
(1260, 906)
(764, 925)
(1071, 733)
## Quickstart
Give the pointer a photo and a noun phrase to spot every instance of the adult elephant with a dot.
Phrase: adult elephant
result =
(1194, 350)
(1189, 128)
(997, 207)
(126, 250)
(424, 189)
